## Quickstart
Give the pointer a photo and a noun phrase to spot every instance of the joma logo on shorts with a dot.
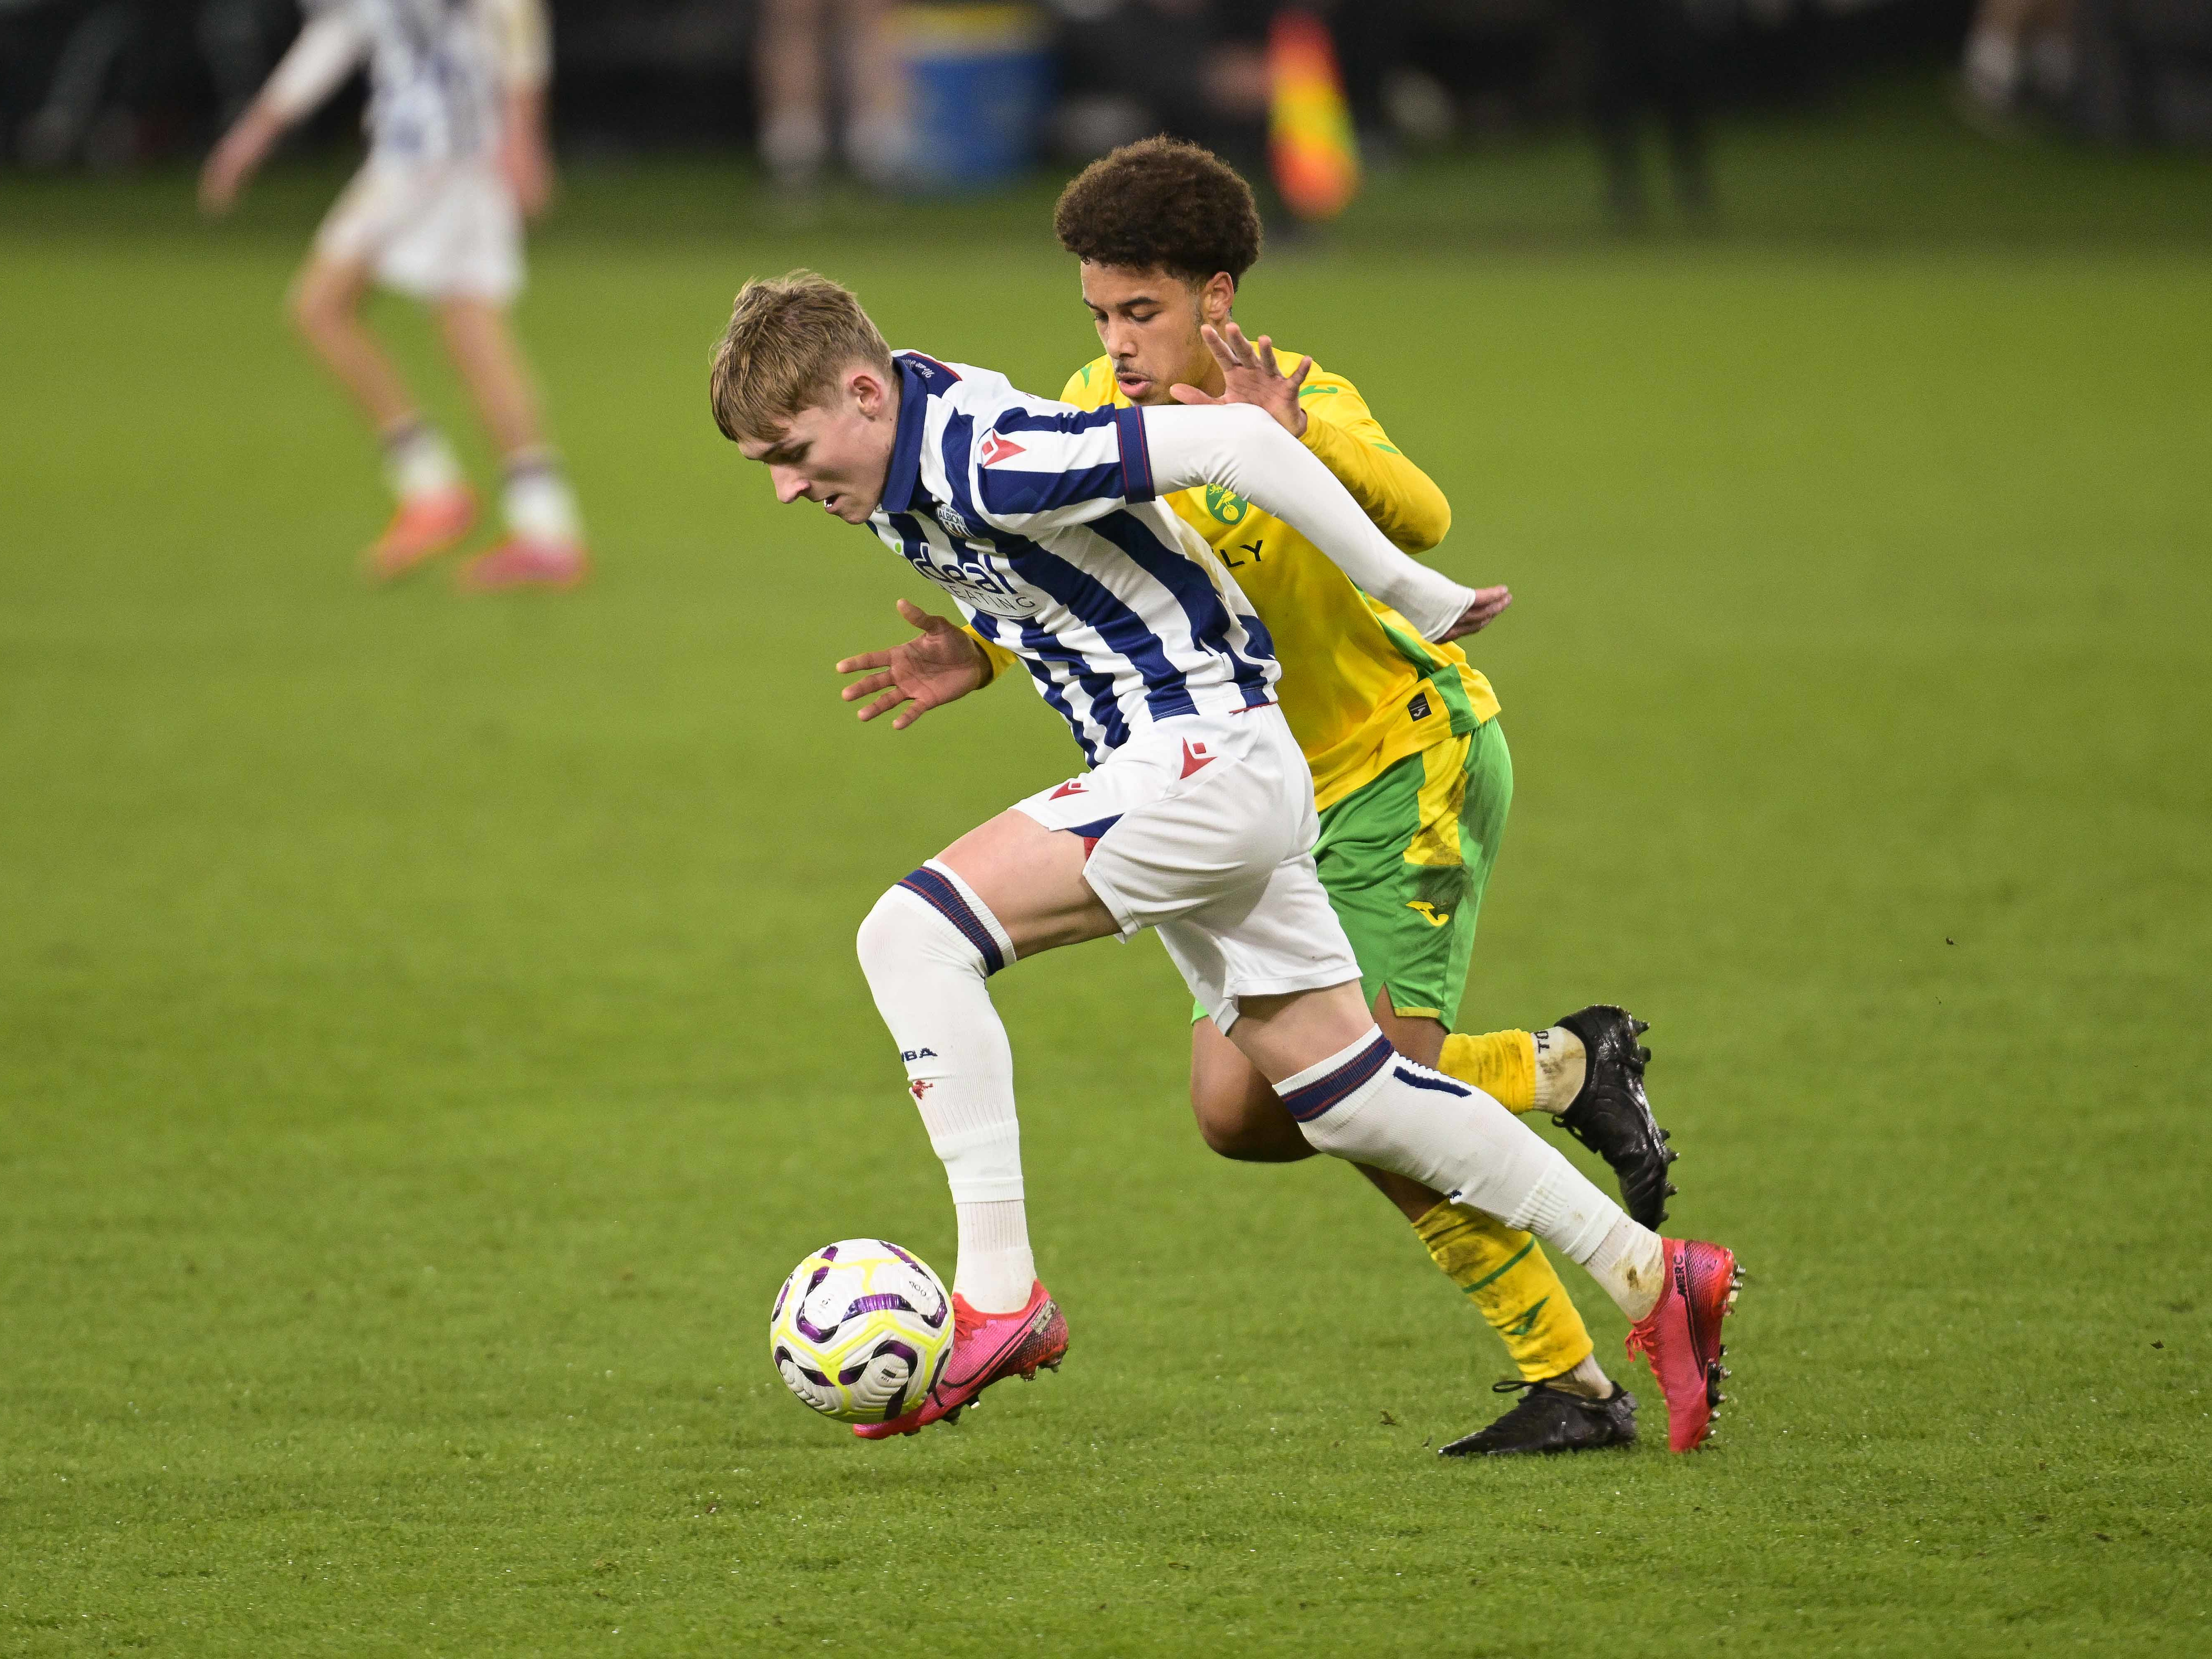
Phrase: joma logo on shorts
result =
(1435, 917)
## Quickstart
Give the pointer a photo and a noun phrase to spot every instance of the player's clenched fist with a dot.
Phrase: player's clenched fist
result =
(939, 665)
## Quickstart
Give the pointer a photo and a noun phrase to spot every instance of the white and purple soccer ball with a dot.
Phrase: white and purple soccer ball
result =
(861, 1330)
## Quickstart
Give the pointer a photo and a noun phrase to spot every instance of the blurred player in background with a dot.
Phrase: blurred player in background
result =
(1652, 55)
(2019, 50)
(458, 156)
(804, 44)
(1411, 772)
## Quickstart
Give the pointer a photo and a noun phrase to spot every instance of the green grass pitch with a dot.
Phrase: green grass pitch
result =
(429, 1028)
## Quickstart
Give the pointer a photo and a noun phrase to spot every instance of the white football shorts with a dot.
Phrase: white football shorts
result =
(434, 230)
(1203, 829)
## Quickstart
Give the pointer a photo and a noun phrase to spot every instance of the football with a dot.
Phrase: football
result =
(860, 1330)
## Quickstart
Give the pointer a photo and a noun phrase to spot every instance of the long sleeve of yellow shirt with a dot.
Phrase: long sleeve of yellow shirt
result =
(1403, 500)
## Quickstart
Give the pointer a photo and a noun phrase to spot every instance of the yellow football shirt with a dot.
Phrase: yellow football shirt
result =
(1361, 689)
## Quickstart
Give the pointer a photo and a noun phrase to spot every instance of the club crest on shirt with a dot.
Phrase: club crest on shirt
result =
(1226, 505)
(955, 525)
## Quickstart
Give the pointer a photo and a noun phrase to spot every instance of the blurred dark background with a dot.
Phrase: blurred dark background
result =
(116, 84)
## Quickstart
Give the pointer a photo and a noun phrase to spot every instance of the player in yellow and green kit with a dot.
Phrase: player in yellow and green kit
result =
(1411, 771)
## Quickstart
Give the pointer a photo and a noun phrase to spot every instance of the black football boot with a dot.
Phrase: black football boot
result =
(1611, 1115)
(1550, 1419)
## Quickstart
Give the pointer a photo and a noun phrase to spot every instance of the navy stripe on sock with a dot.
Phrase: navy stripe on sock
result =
(943, 897)
(1309, 1101)
(1439, 1085)
(395, 439)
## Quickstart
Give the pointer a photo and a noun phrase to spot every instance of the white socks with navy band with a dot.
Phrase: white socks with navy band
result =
(926, 948)
(1369, 1103)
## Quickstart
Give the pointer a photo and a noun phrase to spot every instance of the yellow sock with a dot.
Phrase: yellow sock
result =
(1505, 1273)
(1502, 1064)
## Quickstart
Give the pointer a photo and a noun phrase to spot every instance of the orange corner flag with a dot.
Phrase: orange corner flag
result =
(1310, 136)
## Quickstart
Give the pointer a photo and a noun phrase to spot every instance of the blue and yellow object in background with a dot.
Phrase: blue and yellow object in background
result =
(980, 78)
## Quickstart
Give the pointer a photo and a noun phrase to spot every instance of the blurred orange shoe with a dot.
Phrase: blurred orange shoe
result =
(424, 526)
(519, 563)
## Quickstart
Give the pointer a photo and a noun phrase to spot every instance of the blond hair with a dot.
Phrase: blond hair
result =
(789, 338)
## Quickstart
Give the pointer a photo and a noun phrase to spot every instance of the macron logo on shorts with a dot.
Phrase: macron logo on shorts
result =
(1195, 755)
(995, 448)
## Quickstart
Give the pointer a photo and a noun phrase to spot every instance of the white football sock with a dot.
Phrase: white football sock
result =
(1369, 1103)
(880, 148)
(418, 461)
(1629, 1263)
(1562, 1062)
(795, 144)
(539, 504)
(1992, 66)
(996, 1269)
(1587, 1379)
(926, 948)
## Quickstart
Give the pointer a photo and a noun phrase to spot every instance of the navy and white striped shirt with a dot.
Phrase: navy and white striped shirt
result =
(437, 76)
(1040, 521)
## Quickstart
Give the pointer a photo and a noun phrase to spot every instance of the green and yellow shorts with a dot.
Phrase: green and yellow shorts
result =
(1405, 859)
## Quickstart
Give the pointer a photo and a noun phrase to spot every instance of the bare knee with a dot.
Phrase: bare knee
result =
(467, 320)
(1239, 1115)
(320, 303)
(1249, 1142)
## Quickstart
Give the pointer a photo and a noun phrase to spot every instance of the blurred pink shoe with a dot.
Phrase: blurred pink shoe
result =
(987, 1348)
(424, 526)
(519, 563)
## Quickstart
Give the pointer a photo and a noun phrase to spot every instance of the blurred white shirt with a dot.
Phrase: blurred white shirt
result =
(439, 70)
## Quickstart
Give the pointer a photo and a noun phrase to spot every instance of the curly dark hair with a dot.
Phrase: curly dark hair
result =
(1161, 204)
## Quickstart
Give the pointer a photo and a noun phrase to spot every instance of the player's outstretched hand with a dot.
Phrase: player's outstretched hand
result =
(1251, 376)
(1489, 605)
(234, 160)
(940, 664)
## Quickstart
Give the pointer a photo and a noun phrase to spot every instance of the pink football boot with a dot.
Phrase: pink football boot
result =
(1681, 1337)
(424, 526)
(987, 1348)
(519, 563)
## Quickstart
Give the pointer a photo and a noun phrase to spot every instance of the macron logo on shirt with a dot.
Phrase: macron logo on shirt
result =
(995, 448)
